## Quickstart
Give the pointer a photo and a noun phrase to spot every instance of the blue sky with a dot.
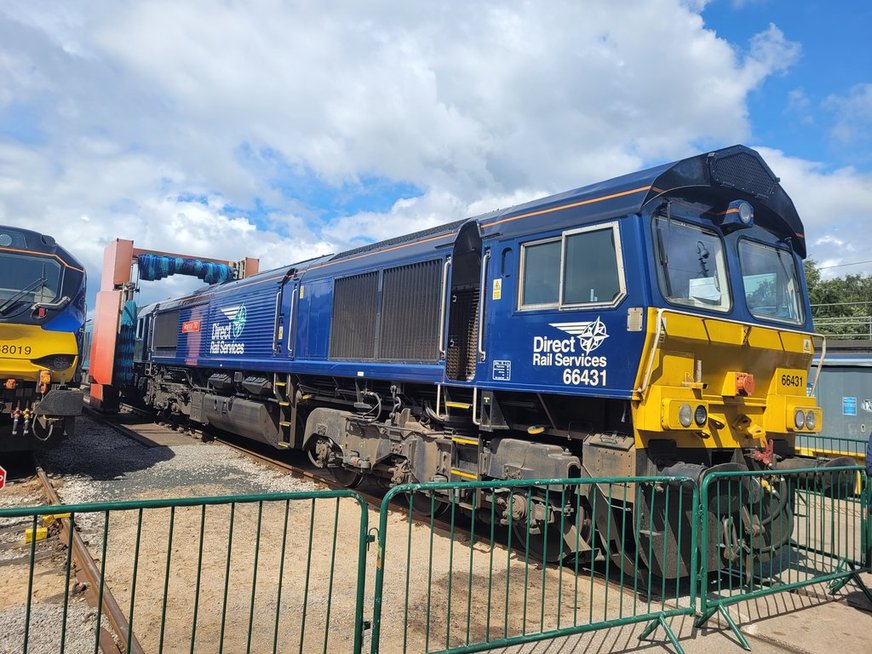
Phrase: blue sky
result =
(285, 129)
(800, 110)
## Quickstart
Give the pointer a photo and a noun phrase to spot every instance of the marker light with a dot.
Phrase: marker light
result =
(685, 415)
(810, 420)
(700, 415)
(799, 419)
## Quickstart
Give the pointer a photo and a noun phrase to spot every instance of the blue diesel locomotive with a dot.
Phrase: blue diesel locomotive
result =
(42, 313)
(653, 323)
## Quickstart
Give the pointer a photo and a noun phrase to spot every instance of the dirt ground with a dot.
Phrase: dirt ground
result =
(437, 592)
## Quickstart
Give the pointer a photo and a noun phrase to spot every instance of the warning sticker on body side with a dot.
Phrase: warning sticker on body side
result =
(502, 370)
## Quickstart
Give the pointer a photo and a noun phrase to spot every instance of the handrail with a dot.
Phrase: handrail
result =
(442, 308)
(820, 364)
(277, 341)
(647, 377)
(482, 355)
(292, 323)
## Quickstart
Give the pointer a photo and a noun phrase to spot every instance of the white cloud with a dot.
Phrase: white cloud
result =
(853, 115)
(139, 107)
(835, 206)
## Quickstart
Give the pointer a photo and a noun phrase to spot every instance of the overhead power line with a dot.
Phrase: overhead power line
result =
(842, 265)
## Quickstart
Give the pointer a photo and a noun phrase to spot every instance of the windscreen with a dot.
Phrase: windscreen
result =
(771, 282)
(692, 270)
(26, 280)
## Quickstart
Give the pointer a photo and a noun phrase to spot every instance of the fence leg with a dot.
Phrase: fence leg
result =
(837, 584)
(705, 617)
(660, 621)
(734, 628)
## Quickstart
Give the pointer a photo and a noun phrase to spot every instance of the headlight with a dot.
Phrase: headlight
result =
(55, 361)
(700, 415)
(685, 415)
(799, 419)
(810, 420)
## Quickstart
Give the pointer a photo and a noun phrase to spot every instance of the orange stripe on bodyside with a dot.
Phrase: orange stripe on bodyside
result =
(568, 206)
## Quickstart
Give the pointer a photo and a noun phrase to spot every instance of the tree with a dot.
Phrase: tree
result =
(840, 305)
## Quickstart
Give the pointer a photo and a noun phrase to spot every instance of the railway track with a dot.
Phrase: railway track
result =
(304, 472)
(87, 573)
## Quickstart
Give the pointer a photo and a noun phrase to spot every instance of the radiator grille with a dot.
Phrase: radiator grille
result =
(352, 334)
(166, 331)
(410, 312)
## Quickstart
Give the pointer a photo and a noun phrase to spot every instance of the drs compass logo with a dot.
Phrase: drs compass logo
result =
(224, 335)
(573, 354)
(237, 321)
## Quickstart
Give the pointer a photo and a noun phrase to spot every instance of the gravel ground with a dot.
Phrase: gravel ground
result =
(100, 464)
(45, 629)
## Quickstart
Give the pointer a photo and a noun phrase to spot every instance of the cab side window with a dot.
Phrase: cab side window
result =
(540, 264)
(581, 267)
(590, 272)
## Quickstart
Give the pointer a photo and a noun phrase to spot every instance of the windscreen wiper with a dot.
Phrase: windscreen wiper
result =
(8, 304)
(663, 246)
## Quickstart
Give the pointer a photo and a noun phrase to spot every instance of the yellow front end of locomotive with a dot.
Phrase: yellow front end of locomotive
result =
(29, 353)
(706, 382)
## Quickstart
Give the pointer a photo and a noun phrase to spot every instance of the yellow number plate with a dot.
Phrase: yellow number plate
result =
(15, 350)
(790, 382)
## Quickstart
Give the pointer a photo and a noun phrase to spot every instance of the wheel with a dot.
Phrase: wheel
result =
(545, 544)
(346, 477)
(425, 505)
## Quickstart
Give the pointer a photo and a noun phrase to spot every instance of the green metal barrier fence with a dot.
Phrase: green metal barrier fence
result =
(492, 582)
(766, 532)
(460, 567)
(254, 573)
